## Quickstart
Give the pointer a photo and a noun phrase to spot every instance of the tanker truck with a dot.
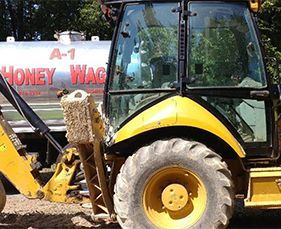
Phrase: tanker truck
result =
(38, 70)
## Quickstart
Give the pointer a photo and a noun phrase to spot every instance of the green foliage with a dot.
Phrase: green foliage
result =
(40, 19)
(2, 18)
(270, 27)
(269, 21)
(218, 55)
(56, 16)
(92, 23)
(273, 60)
(12, 12)
(154, 47)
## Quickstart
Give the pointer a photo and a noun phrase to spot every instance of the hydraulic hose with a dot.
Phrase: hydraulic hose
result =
(26, 112)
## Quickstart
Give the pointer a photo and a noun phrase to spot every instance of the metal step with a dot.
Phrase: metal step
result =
(264, 189)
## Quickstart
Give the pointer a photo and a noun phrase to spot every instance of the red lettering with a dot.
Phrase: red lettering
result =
(55, 54)
(29, 93)
(72, 53)
(83, 75)
(19, 76)
(77, 73)
(50, 74)
(29, 76)
(9, 74)
(39, 80)
(95, 90)
(90, 77)
(100, 75)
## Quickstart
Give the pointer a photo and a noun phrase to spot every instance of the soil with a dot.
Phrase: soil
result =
(255, 218)
(21, 212)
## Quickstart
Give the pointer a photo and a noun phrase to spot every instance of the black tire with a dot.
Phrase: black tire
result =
(139, 168)
(2, 197)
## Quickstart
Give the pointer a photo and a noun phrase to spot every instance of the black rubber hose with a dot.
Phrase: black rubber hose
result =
(26, 111)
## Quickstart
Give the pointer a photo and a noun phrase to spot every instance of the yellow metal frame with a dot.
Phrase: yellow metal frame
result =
(61, 184)
(255, 5)
(264, 189)
(178, 111)
(15, 167)
(174, 197)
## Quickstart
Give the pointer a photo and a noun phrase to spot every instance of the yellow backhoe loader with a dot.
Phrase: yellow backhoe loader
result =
(191, 119)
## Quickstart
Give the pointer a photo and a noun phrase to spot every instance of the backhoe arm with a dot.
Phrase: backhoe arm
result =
(85, 128)
(18, 167)
(14, 163)
(24, 109)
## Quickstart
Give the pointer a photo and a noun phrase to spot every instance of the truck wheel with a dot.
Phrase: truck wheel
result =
(174, 184)
(2, 196)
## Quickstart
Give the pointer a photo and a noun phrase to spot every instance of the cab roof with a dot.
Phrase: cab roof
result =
(253, 4)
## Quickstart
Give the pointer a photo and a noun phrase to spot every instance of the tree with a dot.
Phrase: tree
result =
(92, 23)
(3, 20)
(40, 19)
(15, 16)
(270, 27)
(55, 16)
(269, 21)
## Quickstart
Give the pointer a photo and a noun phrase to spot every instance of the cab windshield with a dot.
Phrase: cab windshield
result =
(144, 58)
(222, 50)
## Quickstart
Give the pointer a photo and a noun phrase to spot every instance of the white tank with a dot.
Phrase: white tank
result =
(38, 69)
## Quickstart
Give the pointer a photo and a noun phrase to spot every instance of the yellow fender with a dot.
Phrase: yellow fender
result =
(178, 111)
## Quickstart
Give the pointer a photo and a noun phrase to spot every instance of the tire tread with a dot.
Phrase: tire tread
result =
(196, 151)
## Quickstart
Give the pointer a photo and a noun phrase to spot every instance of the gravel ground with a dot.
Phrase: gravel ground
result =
(254, 218)
(20, 212)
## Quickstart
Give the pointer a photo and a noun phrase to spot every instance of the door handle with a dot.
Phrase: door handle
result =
(259, 94)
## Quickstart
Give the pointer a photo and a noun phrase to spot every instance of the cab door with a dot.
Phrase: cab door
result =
(226, 72)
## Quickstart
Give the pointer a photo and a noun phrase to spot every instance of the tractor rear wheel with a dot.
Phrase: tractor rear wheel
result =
(174, 184)
(2, 196)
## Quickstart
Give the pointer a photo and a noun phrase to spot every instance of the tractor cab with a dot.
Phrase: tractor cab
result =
(190, 116)
(208, 51)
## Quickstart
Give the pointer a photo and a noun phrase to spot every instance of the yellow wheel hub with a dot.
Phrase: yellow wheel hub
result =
(174, 197)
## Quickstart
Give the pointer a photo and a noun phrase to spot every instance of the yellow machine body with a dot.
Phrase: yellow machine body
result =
(264, 189)
(58, 188)
(173, 112)
(17, 166)
(264, 184)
